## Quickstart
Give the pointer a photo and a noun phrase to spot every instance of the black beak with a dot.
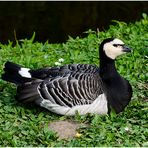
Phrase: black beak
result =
(126, 49)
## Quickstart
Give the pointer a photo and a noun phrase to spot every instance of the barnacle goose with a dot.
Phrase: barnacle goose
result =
(76, 87)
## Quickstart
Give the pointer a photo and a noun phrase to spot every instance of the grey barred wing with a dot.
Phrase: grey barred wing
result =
(63, 70)
(71, 89)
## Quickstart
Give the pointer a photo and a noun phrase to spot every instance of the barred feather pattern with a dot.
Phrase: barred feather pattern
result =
(51, 72)
(79, 85)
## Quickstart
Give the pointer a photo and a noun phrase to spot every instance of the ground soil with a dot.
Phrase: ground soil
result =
(65, 129)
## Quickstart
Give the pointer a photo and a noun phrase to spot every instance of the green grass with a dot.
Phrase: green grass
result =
(28, 126)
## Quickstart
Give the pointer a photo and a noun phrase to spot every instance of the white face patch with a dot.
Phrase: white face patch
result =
(24, 72)
(117, 41)
(114, 48)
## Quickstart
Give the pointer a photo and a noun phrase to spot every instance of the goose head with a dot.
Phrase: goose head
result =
(113, 47)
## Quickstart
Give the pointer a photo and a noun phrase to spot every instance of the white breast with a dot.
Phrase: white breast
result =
(99, 106)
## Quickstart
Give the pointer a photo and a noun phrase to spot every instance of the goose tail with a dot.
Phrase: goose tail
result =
(27, 93)
(15, 73)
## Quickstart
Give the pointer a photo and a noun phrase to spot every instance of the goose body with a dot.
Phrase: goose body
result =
(75, 87)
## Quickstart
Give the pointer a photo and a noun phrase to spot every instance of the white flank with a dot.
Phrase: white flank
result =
(24, 72)
(61, 110)
(99, 106)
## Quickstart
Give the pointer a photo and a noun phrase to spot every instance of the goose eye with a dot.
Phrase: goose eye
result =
(115, 45)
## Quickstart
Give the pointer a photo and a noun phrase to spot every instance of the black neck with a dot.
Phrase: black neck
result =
(107, 68)
(117, 90)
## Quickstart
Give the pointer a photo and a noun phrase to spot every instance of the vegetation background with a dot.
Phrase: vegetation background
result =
(28, 125)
